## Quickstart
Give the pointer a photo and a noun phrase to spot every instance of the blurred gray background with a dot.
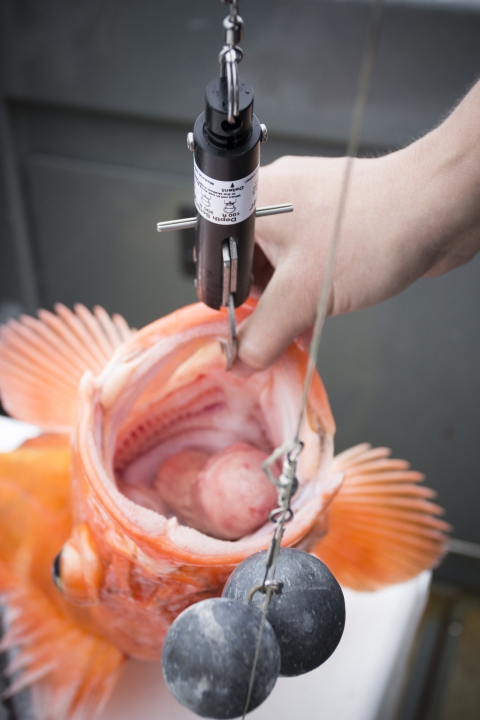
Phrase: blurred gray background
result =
(96, 99)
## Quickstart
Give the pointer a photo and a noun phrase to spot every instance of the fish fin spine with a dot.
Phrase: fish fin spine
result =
(69, 672)
(43, 359)
(383, 527)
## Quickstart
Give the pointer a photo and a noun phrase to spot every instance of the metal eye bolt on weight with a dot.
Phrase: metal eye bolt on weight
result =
(282, 612)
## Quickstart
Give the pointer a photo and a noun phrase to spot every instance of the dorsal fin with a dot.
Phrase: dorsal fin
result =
(43, 359)
(382, 526)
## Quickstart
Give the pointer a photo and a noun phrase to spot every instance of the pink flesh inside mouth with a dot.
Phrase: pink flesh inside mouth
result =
(196, 453)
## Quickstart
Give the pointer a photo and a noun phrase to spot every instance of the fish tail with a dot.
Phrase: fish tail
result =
(70, 672)
(383, 527)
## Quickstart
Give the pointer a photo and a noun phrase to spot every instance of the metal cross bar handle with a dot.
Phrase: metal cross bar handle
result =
(187, 223)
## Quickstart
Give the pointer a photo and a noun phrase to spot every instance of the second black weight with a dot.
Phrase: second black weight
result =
(308, 615)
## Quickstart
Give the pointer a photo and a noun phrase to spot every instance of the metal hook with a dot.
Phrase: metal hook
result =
(230, 347)
(232, 85)
(229, 58)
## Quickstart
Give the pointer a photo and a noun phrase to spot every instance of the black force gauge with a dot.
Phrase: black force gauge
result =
(226, 145)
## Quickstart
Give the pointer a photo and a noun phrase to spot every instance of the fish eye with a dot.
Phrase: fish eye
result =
(56, 574)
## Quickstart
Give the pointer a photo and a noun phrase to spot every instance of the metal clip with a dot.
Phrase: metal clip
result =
(230, 348)
(230, 269)
(230, 55)
(229, 286)
(275, 586)
(286, 483)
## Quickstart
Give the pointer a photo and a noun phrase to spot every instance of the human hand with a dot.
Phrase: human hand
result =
(410, 213)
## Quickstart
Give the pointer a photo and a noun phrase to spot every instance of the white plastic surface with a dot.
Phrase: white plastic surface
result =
(361, 681)
(13, 433)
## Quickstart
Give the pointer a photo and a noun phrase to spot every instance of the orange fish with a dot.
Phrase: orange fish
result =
(146, 490)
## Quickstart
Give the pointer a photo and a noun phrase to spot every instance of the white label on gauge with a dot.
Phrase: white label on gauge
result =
(225, 201)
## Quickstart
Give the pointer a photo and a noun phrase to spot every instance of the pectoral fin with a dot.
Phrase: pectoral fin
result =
(34, 504)
(43, 359)
(383, 527)
(70, 672)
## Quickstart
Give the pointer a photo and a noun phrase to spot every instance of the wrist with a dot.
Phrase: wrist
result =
(447, 189)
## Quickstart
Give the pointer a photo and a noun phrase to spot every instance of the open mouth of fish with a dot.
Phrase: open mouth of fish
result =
(177, 442)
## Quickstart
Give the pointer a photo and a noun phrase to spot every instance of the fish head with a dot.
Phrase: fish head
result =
(158, 432)
(164, 480)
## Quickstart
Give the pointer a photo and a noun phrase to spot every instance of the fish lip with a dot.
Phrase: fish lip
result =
(131, 364)
(154, 534)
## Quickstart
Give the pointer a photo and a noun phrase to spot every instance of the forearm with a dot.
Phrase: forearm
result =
(451, 155)
(412, 213)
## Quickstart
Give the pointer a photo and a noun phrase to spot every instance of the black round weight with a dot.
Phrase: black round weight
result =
(308, 616)
(208, 656)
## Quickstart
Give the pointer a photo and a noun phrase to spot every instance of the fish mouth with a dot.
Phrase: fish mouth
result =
(166, 419)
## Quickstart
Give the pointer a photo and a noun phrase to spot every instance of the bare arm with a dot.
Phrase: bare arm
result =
(412, 213)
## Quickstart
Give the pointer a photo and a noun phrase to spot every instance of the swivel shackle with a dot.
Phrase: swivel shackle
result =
(230, 55)
(233, 24)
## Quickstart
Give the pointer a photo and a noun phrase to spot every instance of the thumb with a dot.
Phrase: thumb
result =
(284, 311)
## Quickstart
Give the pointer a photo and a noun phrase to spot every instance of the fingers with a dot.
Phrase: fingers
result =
(262, 269)
(285, 310)
(289, 257)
